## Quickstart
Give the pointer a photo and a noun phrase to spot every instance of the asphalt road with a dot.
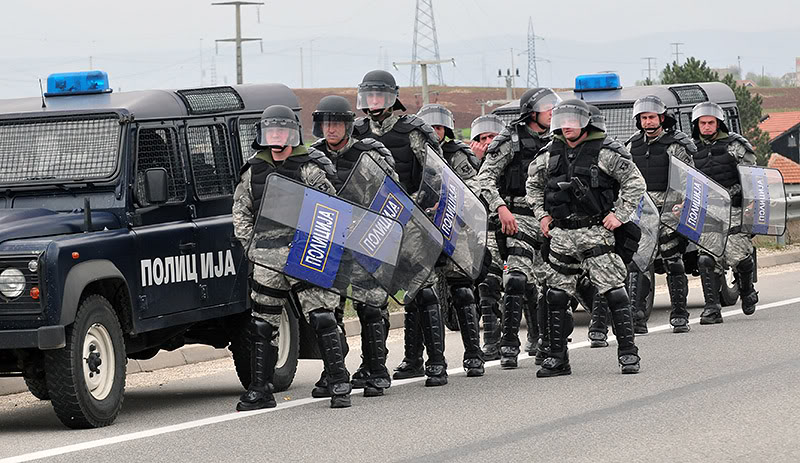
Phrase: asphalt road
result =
(727, 392)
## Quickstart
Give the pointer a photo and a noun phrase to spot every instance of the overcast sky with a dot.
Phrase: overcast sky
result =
(145, 42)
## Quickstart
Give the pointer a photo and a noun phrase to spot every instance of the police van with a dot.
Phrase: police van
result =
(606, 93)
(116, 239)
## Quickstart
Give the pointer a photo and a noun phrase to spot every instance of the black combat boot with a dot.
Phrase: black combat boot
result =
(433, 334)
(466, 311)
(747, 291)
(529, 311)
(490, 312)
(621, 317)
(542, 315)
(376, 377)
(557, 363)
(263, 356)
(412, 365)
(513, 302)
(639, 289)
(598, 325)
(712, 312)
(329, 338)
(678, 286)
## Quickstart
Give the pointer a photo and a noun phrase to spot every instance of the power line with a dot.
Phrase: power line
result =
(239, 39)
(426, 42)
(677, 53)
(533, 75)
(650, 68)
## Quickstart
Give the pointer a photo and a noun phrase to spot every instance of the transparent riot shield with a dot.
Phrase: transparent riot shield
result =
(323, 240)
(763, 201)
(456, 212)
(646, 216)
(697, 207)
(370, 186)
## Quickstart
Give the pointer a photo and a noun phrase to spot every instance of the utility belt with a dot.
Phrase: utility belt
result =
(575, 223)
(506, 250)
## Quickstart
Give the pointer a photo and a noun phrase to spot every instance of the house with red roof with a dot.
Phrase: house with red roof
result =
(784, 133)
(788, 168)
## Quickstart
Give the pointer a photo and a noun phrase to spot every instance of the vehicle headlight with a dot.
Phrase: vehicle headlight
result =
(12, 283)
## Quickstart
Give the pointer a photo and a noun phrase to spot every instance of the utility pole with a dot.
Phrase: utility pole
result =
(423, 65)
(509, 82)
(677, 53)
(650, 68)
(426, 42)
(533, 74)
(239, 39)
(301, 68)
(741, 72)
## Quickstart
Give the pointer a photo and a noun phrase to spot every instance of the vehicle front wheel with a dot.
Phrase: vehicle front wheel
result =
(37, 385)
(86, 378)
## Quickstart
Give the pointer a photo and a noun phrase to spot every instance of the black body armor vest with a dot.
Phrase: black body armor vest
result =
(714, 161)
(344, 162)
(526, 147)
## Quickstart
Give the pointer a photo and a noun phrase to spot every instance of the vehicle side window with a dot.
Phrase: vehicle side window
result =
(157, 148)
(210, 159)
(247, 133)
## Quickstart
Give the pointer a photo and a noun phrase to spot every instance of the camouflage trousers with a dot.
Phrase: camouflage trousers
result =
(496, 267)
(535, 268)
(606, 271)
(738, 247)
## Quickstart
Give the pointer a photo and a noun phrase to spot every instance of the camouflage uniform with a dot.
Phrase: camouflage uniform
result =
(580, 242)
(524, 262)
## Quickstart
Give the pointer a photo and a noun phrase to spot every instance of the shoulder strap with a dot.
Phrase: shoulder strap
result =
(685, 141)
(501, 138)
(736, 137)
(361, 126)
(614, 145)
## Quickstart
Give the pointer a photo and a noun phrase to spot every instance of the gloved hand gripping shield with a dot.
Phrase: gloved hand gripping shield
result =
(646, 216)
(456, 212)
(697, 207)
(323, 240)
(371, 186)
(763, 201)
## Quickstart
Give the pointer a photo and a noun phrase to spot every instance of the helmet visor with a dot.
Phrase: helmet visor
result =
(374, 99)
(546, 102)
(436, 115)
(648, 105)
(486, 124)
(569, 117)
(707, 109)
(333, 127)
(278, 133)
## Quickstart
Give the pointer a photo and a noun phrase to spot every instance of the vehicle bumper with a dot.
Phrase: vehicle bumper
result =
(46, 337)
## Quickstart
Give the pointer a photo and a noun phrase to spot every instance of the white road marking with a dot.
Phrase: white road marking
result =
(300, 402)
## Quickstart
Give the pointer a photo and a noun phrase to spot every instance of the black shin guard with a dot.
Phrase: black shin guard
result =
(557, 362)
(747, 291)
(712, 312)
(374, 351)
(513, 302)
(678, 286)
(490, 312)
(529, 312)
(332, 349)
(433, 333)
(263, 356)
(412, 365)
(466, 311)
(621, 317)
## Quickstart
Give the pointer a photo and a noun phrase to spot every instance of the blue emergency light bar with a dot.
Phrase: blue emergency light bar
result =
(77, 83)
(589, 82)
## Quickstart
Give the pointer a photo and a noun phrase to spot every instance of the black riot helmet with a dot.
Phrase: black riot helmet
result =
(536, 100)
(597, 120)
(333, 108)
(436, 114)
(278, 128)
(652, 104)
(378, 85)
(570, 114)
(707, 108)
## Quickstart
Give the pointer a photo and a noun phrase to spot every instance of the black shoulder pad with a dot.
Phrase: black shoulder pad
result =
(742, 140)
(366, 144)
(636, 136)
(545, 148)
(322, 160)
(252, 160)
(361, 125)
(686, 141)
(409, 122)
(614, 145)
(501, 138)
(318, 143)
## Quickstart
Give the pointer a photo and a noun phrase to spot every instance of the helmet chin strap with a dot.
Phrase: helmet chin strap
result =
(652, 130)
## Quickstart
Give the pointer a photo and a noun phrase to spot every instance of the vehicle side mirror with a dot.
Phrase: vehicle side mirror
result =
(155, 185)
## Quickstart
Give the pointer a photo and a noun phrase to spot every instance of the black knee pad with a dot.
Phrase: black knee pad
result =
(515, 283)
(557, 297)
(675, 267)
(489, 288)
(426, 297)
(463, 296)
(260, 329)
(617, 297)
(746, 265)
(704, 261)
(322, 320)
(371, 314)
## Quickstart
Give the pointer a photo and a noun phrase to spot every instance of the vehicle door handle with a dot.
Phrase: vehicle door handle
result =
(187, 247)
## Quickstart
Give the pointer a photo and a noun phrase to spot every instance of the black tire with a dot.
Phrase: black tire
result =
(288, 352)
(728, 290)
(37, 385)
(79, 404)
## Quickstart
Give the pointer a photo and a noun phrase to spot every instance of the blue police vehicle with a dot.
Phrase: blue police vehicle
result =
(116, 238)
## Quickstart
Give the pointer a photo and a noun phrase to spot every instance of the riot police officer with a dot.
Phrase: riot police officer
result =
(482, 132)
(719, 153)
(460, 286)
(502, 178)
(651, 148)
(573, 188)
(333, 124)
(280, 150)
(408, 138)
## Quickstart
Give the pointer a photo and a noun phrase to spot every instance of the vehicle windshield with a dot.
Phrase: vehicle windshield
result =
(59, 149)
